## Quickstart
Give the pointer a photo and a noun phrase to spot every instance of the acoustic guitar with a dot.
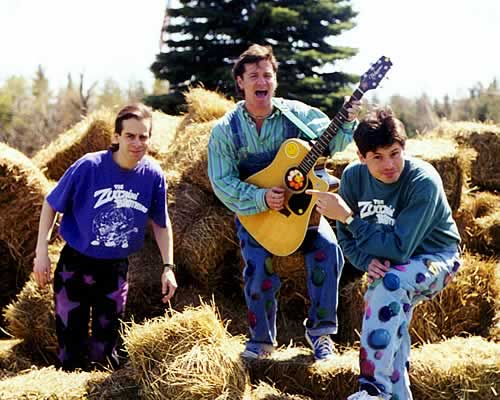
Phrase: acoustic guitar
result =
(282, 232)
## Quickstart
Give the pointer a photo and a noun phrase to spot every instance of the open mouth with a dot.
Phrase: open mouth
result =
(261, 93)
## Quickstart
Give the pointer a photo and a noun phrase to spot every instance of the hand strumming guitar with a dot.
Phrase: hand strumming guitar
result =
(275, 198)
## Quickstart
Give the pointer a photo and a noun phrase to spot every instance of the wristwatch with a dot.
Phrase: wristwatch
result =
(349, 219)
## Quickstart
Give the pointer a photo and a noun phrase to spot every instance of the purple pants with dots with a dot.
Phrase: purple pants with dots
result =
(389, 304)
(84, 287)
(324, 262)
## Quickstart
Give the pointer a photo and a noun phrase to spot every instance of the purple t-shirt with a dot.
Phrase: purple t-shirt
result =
(105, 207)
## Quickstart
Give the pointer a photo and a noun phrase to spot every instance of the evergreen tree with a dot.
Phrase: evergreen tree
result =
(205, 38)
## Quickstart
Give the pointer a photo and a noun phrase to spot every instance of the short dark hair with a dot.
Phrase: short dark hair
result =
(137, 111)
(379, 129)
(253, 55)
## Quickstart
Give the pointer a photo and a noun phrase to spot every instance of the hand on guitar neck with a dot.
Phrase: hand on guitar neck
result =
(275, 198)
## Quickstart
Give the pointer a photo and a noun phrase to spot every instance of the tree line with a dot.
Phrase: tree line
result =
(32, 115)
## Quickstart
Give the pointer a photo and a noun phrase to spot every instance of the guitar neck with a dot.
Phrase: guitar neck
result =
(322, 143)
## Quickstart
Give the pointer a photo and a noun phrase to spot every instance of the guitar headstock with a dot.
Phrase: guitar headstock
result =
(371, 78)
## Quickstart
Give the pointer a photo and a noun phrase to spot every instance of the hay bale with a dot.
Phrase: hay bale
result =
(206, 244)
(475, 289)
(164, 128)
(144, 281)
(95, 133)
(13, 358)
(31, 317)
(443, 154)
(478, 221)
(188, 151)
(205, 105)
(22, 191)
(485, 169)
(494, 333)
(47, 383)
(121, 384)
(485, 139)
(187, 355)
(264, 391)
(457, 368)
(293, 370)
(204, 232)
(188, 154)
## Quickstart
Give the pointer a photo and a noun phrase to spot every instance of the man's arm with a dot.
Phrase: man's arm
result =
(398, 243)
(41, 264)
(164, 240)
(240, 197)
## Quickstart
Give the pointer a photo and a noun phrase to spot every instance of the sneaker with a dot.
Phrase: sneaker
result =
(322, 346)
(257, 351)
(364, 396)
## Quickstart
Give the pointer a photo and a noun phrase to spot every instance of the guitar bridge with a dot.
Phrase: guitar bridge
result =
(285, 211)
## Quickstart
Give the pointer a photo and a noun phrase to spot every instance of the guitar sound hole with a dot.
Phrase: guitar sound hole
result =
(295, 180)
(299, 203)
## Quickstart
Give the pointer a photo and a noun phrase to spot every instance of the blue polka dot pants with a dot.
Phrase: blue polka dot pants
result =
(389, 304)
(324, 262)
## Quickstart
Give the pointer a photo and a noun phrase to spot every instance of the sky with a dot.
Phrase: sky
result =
(437, 47)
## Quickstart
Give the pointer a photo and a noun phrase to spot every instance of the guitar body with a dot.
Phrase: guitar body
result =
(282, 232)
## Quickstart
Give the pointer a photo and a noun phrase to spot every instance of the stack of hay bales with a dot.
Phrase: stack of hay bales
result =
(187, 355)
(485, 139)
(478, 221)
(204, 231)
(22, 191)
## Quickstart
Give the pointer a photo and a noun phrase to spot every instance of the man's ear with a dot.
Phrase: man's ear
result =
(114, 140)
(360, 156)
(239, 81)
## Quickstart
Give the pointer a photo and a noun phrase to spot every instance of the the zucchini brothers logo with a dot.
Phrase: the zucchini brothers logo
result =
(384, 213)
(122, 198)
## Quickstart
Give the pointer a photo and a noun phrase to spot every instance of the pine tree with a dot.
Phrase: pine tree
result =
(205, 38)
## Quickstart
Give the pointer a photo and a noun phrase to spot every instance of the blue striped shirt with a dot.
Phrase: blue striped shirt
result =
(225, 153)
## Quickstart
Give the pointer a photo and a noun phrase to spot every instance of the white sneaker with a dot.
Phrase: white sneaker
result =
(364, 396)
(257, 351)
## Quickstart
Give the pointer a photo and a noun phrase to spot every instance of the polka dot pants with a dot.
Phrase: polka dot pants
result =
(389, 304)
(324, 262)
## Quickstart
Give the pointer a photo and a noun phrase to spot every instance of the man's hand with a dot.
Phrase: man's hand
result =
(168, 284)
(331, 205)
(275, 198)
(377, 269)
(352, 109)
(41, 270)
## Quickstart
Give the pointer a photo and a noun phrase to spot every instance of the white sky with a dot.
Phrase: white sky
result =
(437, 46)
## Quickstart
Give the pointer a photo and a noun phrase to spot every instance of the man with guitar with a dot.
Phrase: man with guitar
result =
(246, 141)
(393, 222)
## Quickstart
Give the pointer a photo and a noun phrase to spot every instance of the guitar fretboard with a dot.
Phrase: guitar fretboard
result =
(322, 143)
